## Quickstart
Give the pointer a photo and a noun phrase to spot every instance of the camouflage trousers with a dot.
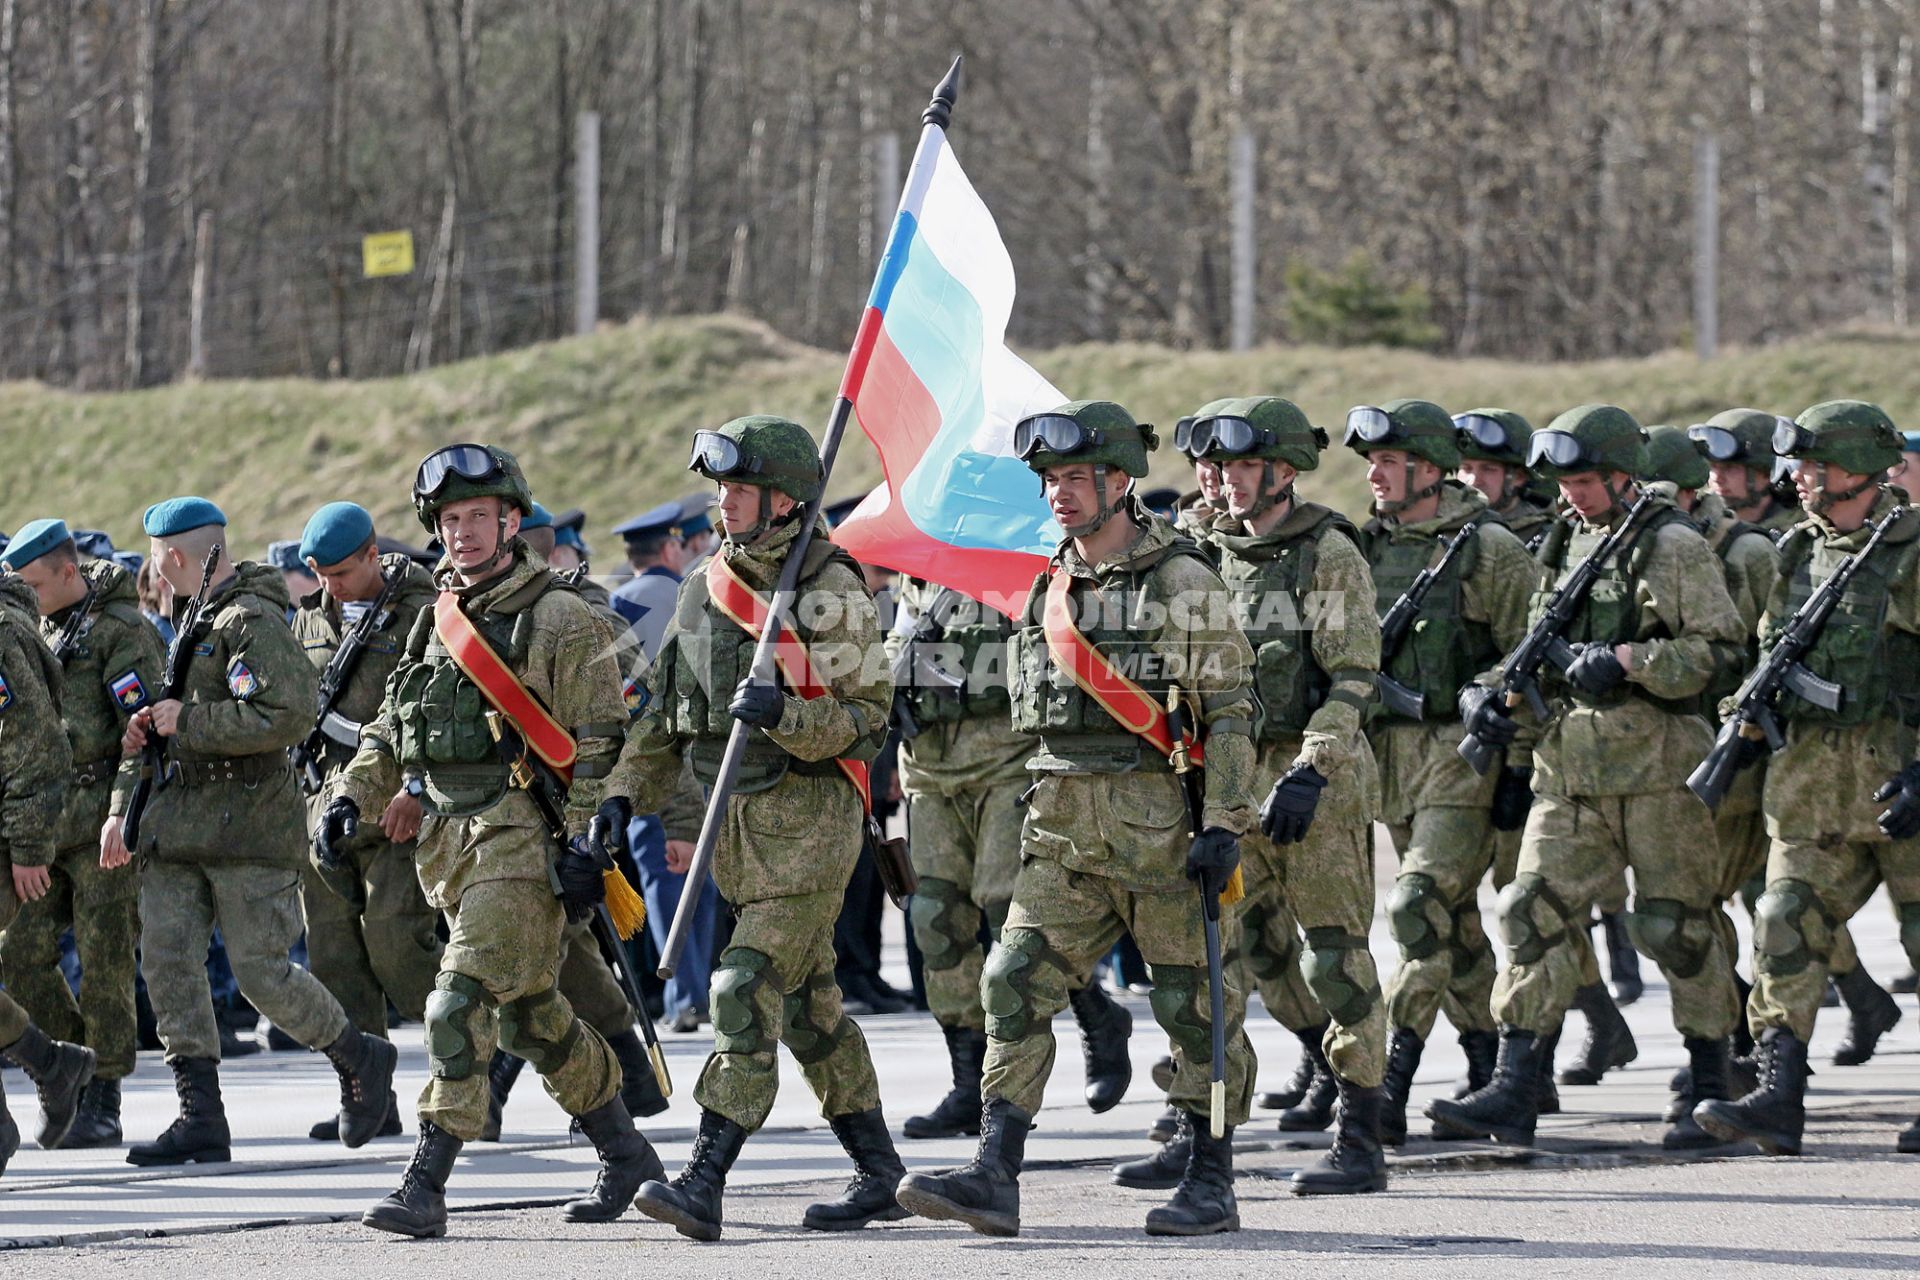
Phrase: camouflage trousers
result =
(966, 851)
(1743, 850)
(496, 989)
(774, 985)
(1060, 924)
(589, 983)
(1506, 864)
(1574, 849)
(1812, 891)
(371, 937)
(257, 907)
(13, 1019)
(1262, 938)
(1446, 961)
(103, 910)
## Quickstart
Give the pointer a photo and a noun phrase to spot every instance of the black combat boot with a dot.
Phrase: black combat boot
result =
(959, 1112)
(1908, 1143)
(627, 1159)
(1105, 1027)
(60, 1072)
(365, 1066)
(1623, 962)
(328, 1130)
(419, 1207)
(690, 1204)
(1162, 1170)
(1506, 1110)
(502, 1071)
(1203, 1203)
(1707, 1078)
(985, 1194)
(1165, 1126)
(98, 1124)
(9, 1132)
(1292, 1092)
(1546, 1097)
(1871, 1013)
(1609, 1041)
(1354, 1163)
(1774, 1114)
(1315, 1111)
(1403, 1059)
(1483, 1050)
(639, 1091)
(877, 1173)
(199, 1133)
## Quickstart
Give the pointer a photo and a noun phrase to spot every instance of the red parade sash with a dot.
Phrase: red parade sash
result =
(750, 611)
(1122, 699)
(544, 735)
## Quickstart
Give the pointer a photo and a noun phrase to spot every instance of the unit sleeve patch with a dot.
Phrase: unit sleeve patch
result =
(128, 691)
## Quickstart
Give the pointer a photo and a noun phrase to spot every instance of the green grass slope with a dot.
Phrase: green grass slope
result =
(603, 421)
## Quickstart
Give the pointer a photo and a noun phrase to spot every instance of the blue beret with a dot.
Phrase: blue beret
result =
(95, 543)
(178, 515)
(284, 555)
(33, 541)
(693, 514)
(662, 521)
(335, 532)
(1912, 442)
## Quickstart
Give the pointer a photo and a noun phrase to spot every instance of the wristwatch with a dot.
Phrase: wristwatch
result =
(414, 787)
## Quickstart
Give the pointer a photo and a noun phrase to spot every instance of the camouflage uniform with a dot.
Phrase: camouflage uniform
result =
(371, 937)
(101, 906)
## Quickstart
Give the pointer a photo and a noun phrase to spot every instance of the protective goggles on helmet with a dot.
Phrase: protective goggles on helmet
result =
(1560, 450)
(1718, 443)
(1368, 425)
(1227, 435)
(1790, 438)
(1053, 433)
(718, 455)
(472, 462)
(1477, 430)
(1183, 436)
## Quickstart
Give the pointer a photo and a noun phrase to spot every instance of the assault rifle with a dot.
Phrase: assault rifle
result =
(1191, 786)
(1399, 620)
(154, 764)
(329, 724)
(1545, 642)
(1756, 715)
(79, 623)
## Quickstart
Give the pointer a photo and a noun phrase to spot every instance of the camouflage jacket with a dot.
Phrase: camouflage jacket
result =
(112, 672)
(948, 757)
(320, 627)
(35, 760)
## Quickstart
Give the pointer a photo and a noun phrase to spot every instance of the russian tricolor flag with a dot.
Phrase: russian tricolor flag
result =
(938, 392)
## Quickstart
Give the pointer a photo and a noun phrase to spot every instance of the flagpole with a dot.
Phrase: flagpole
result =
(934, 121)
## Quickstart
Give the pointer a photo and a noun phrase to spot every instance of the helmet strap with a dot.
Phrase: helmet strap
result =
(1100, 517)
(1265, 501)
(1409, 496)
(1828, 499)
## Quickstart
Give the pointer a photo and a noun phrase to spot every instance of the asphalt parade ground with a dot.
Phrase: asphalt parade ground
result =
(1594, 1197)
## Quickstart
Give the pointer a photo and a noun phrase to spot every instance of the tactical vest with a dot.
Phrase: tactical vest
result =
(702, 670)
(1443, 649)
(1727, 679)
(1878, 666)
(1271, 594)
(1611, 614)
(1045, 700)
(974, 648)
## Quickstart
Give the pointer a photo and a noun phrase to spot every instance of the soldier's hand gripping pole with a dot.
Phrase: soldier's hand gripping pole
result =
(1189, 780)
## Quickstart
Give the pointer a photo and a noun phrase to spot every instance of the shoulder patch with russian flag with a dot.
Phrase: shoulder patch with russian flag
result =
(241, 682)
(6, 693)
(636, 694)
(128, 691)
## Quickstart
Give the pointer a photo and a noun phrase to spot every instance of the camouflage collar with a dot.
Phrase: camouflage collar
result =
(1459, 503)
(1147, 547)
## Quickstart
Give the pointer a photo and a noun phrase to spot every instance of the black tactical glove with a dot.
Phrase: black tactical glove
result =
(577, 879)
(1595, 670)
(1512, 797)
(1901, 821)
(760, 705)
(1484, 718)
(1288, 812)
(1211, 859)
(607, 832)
(338, 825)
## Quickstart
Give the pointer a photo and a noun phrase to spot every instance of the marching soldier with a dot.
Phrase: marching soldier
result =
(794, 823)
(506, 705)
(1744, 471)
(371, 937)
(1109, 842)
(90, 615)
(223, 842)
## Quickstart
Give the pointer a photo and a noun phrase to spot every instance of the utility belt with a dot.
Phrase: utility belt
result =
(1692, 705)
(94, 772)
(1103, 753)
(248, 770)
(762, 764)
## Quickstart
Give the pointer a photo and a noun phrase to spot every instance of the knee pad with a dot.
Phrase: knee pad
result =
(1267, 962)
(1533, 918)
(1678, 937)
(1006, 984)
(1910, 931)
(1180, 1005)
(735, 1005)
(946, 924)
(1328, 963)
(808, 1041)
(1790, 928)
(540, 1028)
(1416, 917)
(451, 1007)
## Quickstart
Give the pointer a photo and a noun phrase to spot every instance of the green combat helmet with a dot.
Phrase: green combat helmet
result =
(1600, 438)
(1419, 428)
(1673, 457)
(1099, 432)
(1264, 427)
(1183, 429)
(1850, 434)
(1746, 436)
(462, 471)
(1501, 435)
(765, 451)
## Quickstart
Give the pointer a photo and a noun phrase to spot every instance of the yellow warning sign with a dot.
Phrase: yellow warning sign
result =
(387, 253)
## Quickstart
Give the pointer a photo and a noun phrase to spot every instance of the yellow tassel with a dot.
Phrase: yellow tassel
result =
(625, 907)
(1236, 889)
